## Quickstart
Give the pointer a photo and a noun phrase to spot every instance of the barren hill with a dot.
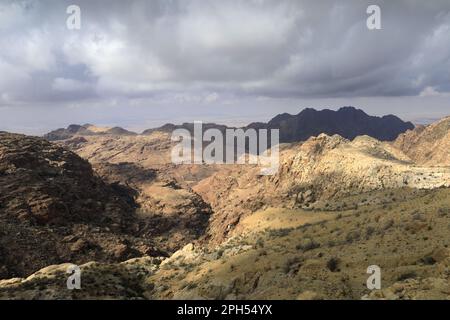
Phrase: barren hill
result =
(312, 174)
(53, 208)
(85, 130)
(286, 254)
(427, 145)
(322, 168)
(149, 150)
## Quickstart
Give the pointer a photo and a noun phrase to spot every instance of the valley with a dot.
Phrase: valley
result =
(141, 227)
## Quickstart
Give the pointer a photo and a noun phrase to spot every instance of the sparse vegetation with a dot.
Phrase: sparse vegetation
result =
(333, 264)
(252, 240)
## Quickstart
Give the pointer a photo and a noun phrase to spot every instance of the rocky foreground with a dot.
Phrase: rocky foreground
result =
(285, 254)
(54, 208)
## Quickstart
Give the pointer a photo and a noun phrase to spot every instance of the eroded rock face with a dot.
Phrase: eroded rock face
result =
(249, 250)
(46, 184)
(173, 214)
(169, 212)
(54, 209)
(427, 145)
(86, 130)
(322, 168)
(148, 151)
(336, 167)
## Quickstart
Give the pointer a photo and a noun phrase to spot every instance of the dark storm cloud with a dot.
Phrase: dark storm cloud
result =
(273, 48)
(198, 52)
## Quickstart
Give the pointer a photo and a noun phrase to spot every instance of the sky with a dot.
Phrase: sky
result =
(140, 64)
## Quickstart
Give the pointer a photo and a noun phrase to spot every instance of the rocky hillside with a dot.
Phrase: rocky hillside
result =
(168, 208)
(427, 145)
(148, 151)
(85, 130)
(53, 208)
(347, 122)
(335, 207)
(286, 254)
(173, 215)
(312, 174)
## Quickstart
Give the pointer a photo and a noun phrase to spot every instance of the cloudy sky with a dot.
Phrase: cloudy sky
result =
(140, 64)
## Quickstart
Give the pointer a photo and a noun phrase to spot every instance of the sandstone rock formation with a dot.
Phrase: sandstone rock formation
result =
(292, 254)
(85, 130)
(427, 145)
(53, 208)
(311, 173)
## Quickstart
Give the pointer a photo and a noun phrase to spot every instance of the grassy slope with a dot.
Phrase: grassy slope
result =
(292, 255)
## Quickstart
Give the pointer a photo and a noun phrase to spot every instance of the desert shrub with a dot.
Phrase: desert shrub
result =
(352, 236)
(369, 231)
(280, 232)
(428, 260)
(291, 263)
(333, 264)
(331, 243)
(389, 224)
(219, 253)
(418, 216)
(307, 245)
(260, 243)
(262, 253)
(445, 211)
(191, 285)
(407, 275)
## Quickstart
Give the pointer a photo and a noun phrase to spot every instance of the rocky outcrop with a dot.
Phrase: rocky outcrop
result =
(121, 281)
(172, 214)
(427, 145)
(147, 151)
(54, 208)
(46, 184)
(336, 167)
(321, 169)
(75, 130)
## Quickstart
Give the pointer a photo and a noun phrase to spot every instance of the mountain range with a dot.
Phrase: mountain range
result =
(348, 122)
(141, 227)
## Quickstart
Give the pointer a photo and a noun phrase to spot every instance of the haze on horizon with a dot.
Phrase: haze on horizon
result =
(140, 64)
